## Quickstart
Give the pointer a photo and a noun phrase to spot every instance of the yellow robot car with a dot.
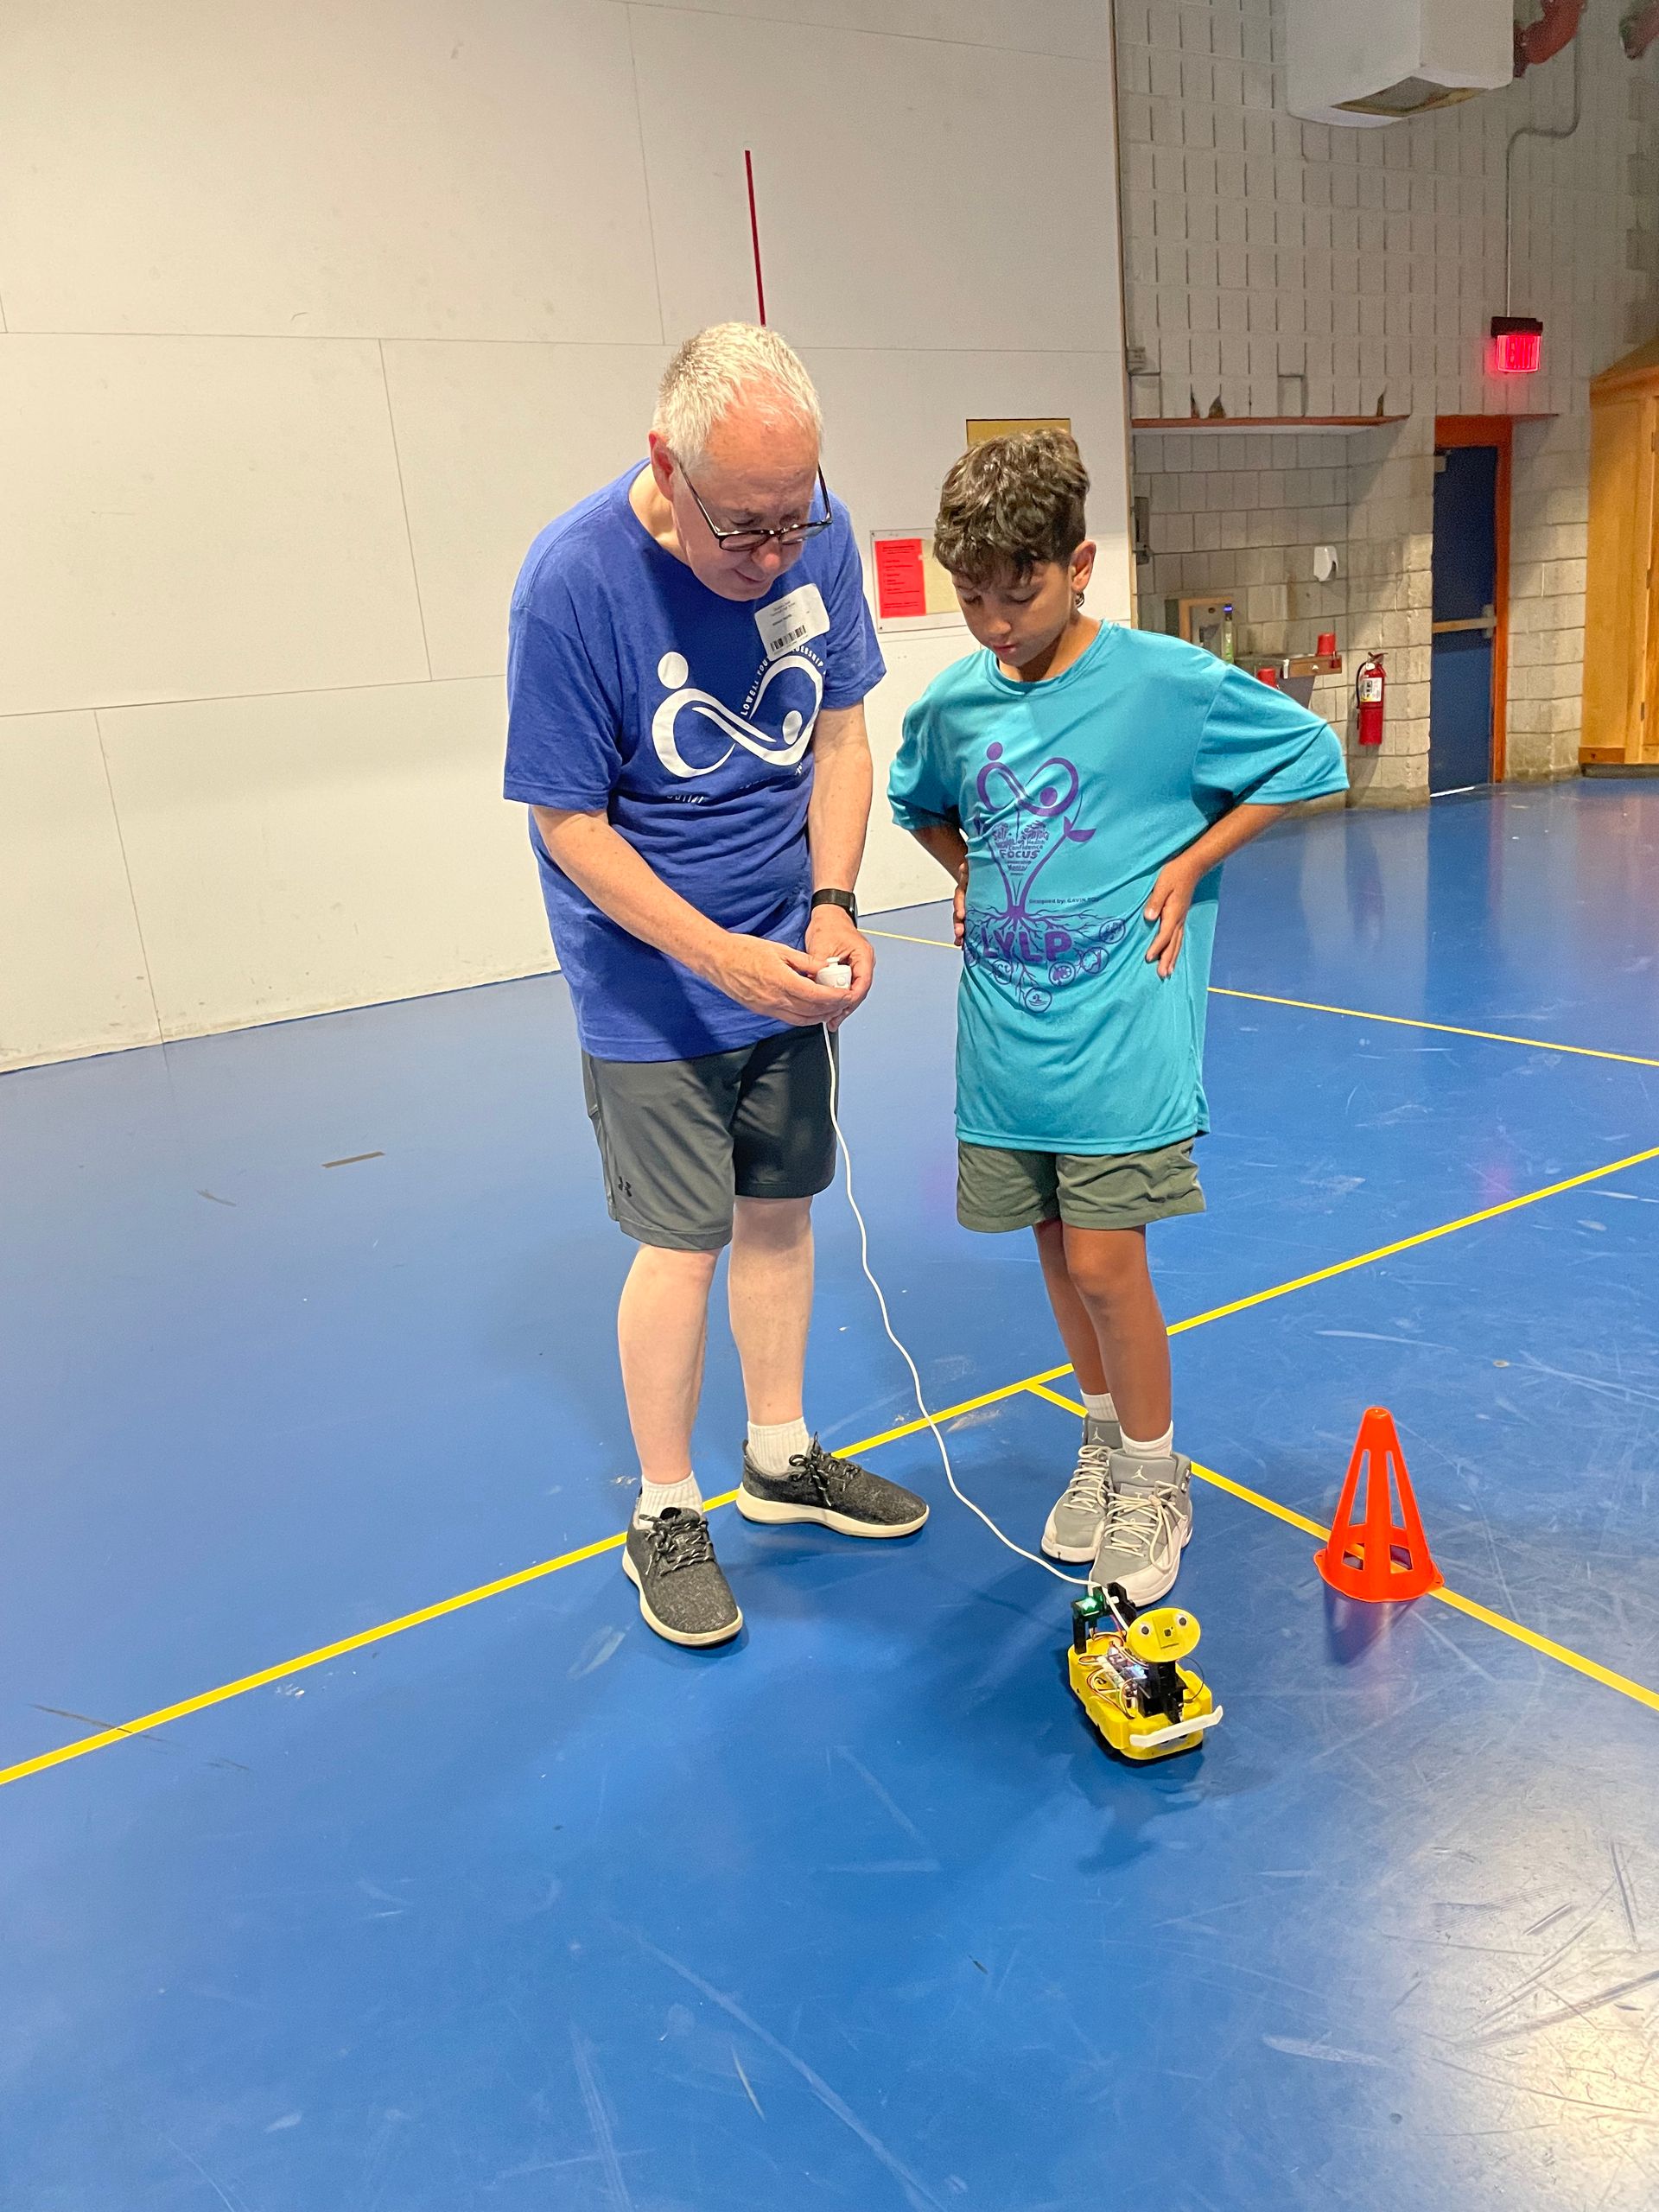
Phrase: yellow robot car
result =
(1125, 1667)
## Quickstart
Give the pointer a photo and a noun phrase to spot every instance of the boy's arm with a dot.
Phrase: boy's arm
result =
(946, 843)
(1178, 879)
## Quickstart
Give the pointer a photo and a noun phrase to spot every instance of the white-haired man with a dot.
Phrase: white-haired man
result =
(689, 653)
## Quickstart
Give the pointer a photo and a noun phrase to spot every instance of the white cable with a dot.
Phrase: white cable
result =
(1079, 1581)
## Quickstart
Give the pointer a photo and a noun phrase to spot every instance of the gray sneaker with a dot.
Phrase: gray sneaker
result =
(835, 1493)
(1072, 1529)
(1148, 1520)
(683, 1594)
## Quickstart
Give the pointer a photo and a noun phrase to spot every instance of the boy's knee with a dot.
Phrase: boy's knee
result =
(1106, 1265)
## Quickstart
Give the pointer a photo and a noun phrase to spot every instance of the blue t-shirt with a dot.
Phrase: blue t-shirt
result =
(635, 691)
(1071, 794)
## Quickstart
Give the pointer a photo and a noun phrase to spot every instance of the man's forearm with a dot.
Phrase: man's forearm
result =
(627, 888)
(838, 819)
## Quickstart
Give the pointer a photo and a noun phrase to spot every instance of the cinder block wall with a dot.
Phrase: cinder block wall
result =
(1288, 267)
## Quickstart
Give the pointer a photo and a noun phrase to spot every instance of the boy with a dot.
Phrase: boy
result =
(1082, 782)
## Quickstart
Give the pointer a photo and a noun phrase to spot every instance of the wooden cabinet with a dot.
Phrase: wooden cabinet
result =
(1621, 634)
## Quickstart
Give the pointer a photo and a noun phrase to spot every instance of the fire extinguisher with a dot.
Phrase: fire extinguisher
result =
(1370, 685)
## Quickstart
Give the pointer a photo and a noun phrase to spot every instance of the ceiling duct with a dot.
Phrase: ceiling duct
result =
(1367, 63)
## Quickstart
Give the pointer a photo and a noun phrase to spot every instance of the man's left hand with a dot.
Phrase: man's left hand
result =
(1171, 897)
(832, 934)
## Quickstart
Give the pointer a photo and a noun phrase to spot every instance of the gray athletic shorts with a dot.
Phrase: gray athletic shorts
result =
(682, 1140)
(998, 1190)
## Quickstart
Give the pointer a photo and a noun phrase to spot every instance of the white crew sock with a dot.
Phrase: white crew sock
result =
(1159, 1448)
(772, 1448)
(1101, 1408)
(657, 1497)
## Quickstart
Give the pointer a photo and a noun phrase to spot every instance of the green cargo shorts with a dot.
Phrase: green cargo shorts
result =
(681, 1140)
(998, 1190)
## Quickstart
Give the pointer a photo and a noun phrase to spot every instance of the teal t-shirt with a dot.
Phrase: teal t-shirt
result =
(1071, 794)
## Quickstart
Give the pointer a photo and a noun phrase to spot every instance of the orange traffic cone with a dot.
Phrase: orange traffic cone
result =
(1379, 1559)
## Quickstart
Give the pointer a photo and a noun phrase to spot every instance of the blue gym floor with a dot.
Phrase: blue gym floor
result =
(519, 1910)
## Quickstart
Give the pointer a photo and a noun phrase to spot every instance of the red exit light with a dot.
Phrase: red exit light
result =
(1517, 345)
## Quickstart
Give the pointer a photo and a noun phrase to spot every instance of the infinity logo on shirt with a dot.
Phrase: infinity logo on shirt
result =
(782, 747)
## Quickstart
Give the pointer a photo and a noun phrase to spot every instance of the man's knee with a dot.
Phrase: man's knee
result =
(778, 1224)
(668, 1267)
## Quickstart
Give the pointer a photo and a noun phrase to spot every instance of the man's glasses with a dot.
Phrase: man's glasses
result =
(790, 539)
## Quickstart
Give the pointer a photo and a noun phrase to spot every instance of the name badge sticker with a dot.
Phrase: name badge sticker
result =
(789, 621)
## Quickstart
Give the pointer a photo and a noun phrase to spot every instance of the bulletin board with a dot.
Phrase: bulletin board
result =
(981, 427)
(912, 592)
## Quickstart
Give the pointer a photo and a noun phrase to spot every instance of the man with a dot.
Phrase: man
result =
(689, 653)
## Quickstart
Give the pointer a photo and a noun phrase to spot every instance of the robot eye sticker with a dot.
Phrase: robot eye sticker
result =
(1030, 956)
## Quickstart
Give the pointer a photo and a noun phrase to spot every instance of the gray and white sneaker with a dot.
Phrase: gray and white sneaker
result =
(833, 1492)
(1072, 1529)
(1148, 1520)
(682, 1593)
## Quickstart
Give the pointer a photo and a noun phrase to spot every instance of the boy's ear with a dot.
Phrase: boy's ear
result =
(1083, 565)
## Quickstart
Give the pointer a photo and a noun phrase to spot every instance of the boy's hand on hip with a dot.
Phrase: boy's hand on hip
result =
(959, 907)
(832, 934)
(1171, 897)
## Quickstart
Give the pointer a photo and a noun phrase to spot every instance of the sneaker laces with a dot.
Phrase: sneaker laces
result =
(683, 1539)
(817, 1466)
(1135, 1519)
(1088, 1488)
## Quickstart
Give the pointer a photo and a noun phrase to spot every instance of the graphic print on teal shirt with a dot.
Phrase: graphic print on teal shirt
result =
(1071, 795)
(1032, 955)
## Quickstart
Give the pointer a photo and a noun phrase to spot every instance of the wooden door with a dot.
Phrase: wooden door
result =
(1621, 637)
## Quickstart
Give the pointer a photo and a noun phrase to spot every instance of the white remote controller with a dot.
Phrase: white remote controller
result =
(835, 976)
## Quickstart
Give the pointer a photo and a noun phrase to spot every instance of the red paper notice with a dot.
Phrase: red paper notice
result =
(900, 588)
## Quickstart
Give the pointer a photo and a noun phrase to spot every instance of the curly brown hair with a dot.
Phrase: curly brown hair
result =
(1010, 504)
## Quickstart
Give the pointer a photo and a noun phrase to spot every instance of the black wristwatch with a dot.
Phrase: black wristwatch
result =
(837, 899)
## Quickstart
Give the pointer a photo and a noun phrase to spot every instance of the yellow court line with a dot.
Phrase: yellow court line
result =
(898, 937)
(1363, 1014)
(1551, 1649)
(1546, 1644)
(1409, 1243)
(1445, 1029)
(149, 1721)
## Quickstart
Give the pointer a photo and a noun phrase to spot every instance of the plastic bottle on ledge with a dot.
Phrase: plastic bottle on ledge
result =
(1228, 635)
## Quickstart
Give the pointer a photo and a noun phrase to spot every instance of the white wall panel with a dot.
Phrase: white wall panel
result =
(71, 967)
(897, 872)
(1074, 27)
(495, 440)
(388, 168)
(894, 423)
(313, 314)
(193, 516)
(290, 854)
(889, 216)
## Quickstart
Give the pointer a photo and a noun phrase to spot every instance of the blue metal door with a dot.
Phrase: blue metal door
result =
(1466, 618)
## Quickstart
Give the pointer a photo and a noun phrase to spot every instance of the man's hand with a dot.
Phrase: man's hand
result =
(777, 980)
(832, 934)
(1171, 897)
